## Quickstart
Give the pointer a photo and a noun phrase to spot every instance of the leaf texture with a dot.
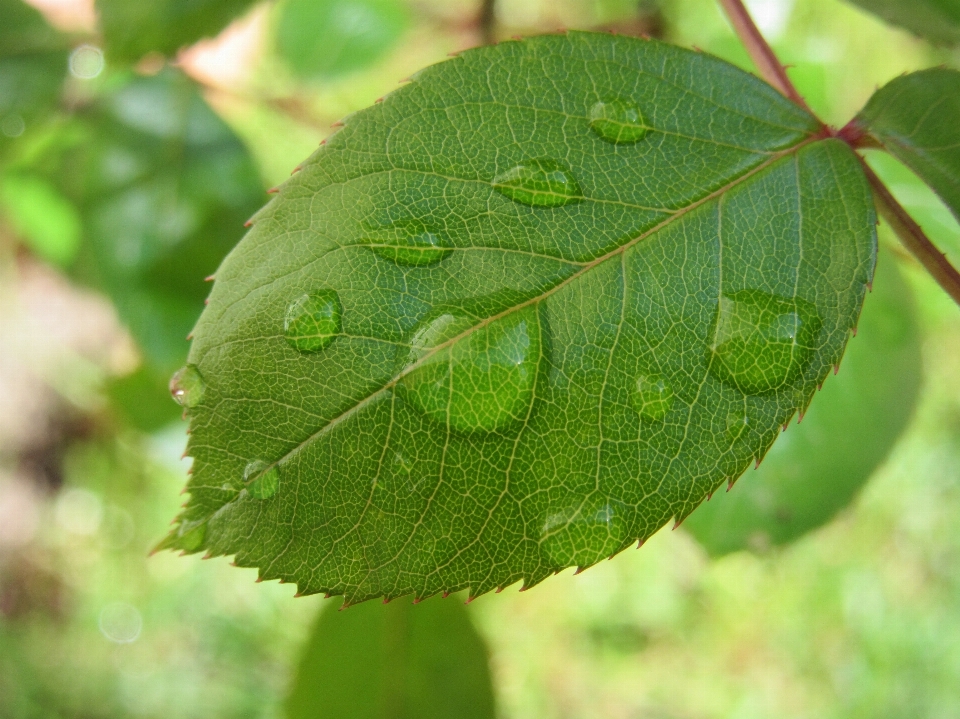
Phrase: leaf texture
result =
(376, 662)
(915, 119)
(544, 279)
(817, 467)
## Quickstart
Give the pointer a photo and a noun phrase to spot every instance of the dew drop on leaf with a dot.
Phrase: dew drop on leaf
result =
(582, 534)
(652, 397)
(540, 182)
(618, 121)
(737, 425)
(262, 479)
(408, 243)
(760, 342)
(187, 386)
(192, 537)
(313, 321)
(482, 382)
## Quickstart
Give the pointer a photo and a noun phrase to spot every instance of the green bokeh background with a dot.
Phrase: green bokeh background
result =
(860, 618)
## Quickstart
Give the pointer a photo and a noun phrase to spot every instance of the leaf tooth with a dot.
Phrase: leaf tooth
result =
(445, 595)
(209, 278)
(273, 190)
(580, 569)
(470, 598)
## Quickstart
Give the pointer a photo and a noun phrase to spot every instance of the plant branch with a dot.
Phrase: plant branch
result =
(912, 237)
(760, 51)
(487, 22)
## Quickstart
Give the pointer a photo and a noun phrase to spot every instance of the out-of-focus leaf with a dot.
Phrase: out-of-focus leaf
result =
(915, 117)
(501, 322)
(816, 467)
(935, 20)
(132, 28)
(33, 64)
(400, 661)
(46, 221)
(164, 188)
(327, 37)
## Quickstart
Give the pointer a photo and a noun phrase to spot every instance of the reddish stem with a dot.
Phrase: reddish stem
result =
(761, 53)
(912, 237)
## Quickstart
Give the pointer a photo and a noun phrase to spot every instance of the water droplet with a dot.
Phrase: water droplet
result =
(192, 536)
(760, 342)
(652, 397)
(737, 425)
(313, 321)
(482, 382)
(187, 386)
(262, 479)
(408, 243)
(582, 534)
(540, 182)
(618, 121)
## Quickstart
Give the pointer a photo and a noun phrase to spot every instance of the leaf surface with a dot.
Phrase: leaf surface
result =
(935, 20)
(915, 119)
(402, 660)
(133, 29)
(817, 467)
(501, 322)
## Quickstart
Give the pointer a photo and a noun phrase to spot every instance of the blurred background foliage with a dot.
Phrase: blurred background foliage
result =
(136, 138)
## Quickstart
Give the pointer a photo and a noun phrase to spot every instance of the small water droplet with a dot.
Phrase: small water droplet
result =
(582, 534)
(187, 386)
(313, 321)
(737, 425)
(192, 536)
(262, 479)
(760, 342)
(540, 182)
(618, 121)
(652, 397)
(482, 382)
(408, 243)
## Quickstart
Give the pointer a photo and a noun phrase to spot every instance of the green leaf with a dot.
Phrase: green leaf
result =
(915, 119)
(33, 64)
(498, 413)
(164, 187)
(935, 20)
(320, 38)
(41, 216)
(817, 467)
(402, 660)
(133, 29)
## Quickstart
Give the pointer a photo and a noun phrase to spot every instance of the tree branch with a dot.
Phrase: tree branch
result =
(760, 52)
(912, 237)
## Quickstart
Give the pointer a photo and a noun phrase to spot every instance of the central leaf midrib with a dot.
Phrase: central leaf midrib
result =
(346, 414)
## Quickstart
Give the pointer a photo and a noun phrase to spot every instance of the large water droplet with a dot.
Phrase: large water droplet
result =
(760, 342)
(262, 479)
(652, 397)
(187, 386)
(482, 382)
(540, 182)
(408, 243)
(618, 121)
(313, 321)
(582, 534)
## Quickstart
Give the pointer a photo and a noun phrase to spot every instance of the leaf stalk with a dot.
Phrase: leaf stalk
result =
(770, 68)
(913, 237)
